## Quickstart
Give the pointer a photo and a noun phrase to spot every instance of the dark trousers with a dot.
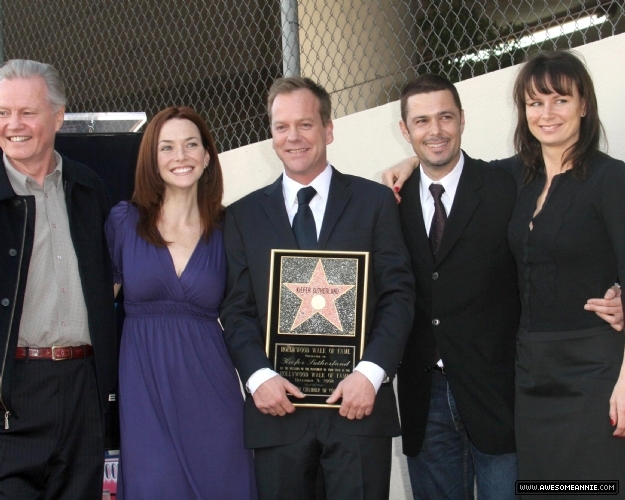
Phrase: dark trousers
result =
(54, 447)
(354, 467)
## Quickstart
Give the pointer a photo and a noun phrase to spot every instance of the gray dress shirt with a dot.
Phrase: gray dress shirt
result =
(54, 306)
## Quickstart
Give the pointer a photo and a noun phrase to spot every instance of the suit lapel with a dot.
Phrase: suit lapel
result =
(465, 202)
(411, 207)
(338, 197)
(273, 205)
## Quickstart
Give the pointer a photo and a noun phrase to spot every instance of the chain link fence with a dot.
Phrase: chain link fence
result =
(220, 56)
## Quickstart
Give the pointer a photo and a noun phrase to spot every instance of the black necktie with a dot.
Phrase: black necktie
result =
(439, 219)
(304, 222)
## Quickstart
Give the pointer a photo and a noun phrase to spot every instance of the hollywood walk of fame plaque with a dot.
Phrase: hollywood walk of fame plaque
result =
(316, 319)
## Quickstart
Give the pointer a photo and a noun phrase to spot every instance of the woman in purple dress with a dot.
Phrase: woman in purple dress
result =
(181, 408)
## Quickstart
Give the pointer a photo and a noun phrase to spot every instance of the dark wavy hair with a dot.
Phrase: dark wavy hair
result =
(549, 72)
(149, 187)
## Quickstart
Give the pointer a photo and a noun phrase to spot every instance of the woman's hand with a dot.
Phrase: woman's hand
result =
(617, 407)
(395, 176)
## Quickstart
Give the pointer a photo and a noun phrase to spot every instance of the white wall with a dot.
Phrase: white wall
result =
(368, 142)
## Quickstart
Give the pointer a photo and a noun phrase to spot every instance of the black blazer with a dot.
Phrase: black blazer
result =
(471, 290)
(87, 208)
(360, 215)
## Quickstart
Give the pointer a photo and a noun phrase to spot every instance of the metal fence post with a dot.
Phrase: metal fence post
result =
(1, 35)
(290, 38)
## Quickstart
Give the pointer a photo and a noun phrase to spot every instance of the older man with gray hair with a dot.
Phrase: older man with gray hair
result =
(58, 348)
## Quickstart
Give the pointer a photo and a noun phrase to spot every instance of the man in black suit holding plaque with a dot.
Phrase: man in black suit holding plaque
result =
(313, 206)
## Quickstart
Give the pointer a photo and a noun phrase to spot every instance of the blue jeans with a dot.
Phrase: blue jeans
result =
(449, 465)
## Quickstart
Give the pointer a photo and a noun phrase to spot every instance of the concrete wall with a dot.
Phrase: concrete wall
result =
(368, 142)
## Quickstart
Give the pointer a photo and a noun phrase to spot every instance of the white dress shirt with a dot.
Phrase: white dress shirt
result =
(321, 183)
(450, 183)
(317, 205)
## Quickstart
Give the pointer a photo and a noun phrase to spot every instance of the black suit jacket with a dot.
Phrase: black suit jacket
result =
(87, 208)
(360, 215)
(471, 290)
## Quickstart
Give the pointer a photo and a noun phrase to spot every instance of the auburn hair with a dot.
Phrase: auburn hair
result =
(150, 188)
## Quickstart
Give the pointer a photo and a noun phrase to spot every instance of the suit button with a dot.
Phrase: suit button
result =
(17, 203)
(12, 252)
(435, 276)
(5, 302)
(436, 321)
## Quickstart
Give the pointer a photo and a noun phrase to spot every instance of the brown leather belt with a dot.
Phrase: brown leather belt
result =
(55, 353)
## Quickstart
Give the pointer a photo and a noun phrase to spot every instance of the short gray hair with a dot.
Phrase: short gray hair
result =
(26, 69)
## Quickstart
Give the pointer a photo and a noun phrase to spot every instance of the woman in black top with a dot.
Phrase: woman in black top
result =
(568, 237)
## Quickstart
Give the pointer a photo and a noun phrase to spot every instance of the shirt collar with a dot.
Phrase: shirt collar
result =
(321, 183)
(19, 180)
(449, 182)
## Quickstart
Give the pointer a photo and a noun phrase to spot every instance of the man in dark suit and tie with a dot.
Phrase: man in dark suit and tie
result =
(456, 381)
(314, 206)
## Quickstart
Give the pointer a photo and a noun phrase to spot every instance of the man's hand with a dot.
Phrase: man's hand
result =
(358, 396)
(395, 176)
(270, 397)
(609, 308)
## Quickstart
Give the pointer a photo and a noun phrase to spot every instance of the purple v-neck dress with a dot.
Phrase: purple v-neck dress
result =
(181, 408)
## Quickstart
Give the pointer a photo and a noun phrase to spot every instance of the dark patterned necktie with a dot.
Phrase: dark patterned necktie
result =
(304, 222)
(439, 219)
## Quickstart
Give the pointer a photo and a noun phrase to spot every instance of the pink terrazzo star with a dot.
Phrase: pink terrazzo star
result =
(318, 297)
